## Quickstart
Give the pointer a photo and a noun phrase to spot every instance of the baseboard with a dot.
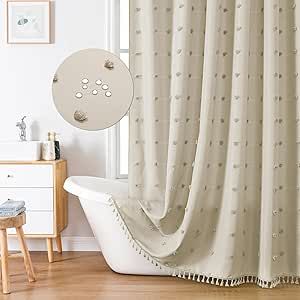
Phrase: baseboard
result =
(70, 243)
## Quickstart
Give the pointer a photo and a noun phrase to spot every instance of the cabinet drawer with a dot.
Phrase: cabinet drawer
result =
(37, 222)
(36, 199)
(26, 176)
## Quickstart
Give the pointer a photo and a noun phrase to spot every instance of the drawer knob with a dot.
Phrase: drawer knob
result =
(10, 176)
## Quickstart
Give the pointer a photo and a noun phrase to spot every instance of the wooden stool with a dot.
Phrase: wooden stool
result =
(13, 222)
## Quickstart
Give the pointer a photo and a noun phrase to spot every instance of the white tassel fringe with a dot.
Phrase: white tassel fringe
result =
(201, 277)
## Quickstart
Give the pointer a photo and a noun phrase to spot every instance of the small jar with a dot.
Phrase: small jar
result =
(48, 150)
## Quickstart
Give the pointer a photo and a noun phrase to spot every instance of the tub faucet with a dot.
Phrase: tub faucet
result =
(22, 126)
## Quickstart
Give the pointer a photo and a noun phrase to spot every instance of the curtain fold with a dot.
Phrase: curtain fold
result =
(214, 139)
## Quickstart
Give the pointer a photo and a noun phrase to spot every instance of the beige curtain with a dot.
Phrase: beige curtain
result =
(214, 139)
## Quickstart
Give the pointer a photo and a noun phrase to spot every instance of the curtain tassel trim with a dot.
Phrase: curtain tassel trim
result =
(199, 277)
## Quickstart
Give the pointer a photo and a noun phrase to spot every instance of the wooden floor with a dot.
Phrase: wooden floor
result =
(85, 275)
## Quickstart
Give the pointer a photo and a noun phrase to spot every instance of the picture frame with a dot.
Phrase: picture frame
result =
(28, 22)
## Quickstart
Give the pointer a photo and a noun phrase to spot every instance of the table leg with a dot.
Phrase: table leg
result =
(4, 262)
(50, 249)
(26, 255)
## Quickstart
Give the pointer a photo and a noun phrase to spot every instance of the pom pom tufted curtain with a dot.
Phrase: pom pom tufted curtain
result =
(215, 139)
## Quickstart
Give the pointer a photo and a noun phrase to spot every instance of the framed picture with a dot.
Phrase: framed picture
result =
(28, 22)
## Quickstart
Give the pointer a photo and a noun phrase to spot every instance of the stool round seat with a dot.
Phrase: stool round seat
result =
(12, 222)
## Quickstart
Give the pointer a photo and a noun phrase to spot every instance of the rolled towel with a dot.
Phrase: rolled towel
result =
(11, 206)
(6, 214)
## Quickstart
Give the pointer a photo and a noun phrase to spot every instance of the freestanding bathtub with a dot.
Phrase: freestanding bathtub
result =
(94, 195)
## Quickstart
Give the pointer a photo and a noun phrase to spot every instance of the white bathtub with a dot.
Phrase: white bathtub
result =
(94, 194)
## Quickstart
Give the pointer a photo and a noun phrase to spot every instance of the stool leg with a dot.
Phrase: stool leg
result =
(50, 250)
(58, 244)
(4, 262)
(26, 255)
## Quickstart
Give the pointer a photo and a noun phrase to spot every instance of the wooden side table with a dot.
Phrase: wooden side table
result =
(17, 223)
(40, 185)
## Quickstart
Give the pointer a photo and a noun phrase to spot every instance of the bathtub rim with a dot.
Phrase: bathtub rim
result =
(80, 187)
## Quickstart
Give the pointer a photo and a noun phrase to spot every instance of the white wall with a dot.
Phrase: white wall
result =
(26, 73)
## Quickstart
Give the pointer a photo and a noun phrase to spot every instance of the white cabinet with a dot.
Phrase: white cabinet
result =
(40, 185)
(36, 199)
(34, 225)
(26, 176)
